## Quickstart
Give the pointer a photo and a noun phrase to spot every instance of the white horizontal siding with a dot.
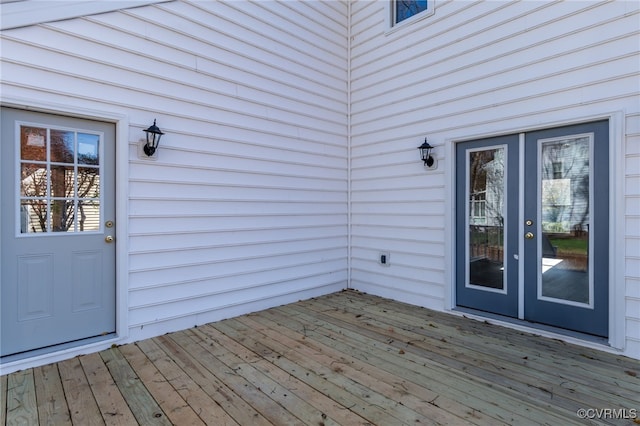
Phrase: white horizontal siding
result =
(632, 230)
(474, 68)
(246, 204)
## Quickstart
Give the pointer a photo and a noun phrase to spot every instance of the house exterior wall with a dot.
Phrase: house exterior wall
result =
(245, 206)
(477, 69)
(289, 162)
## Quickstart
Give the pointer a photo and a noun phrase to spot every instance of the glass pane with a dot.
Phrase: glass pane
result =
(62, 215)
(62, 146)
(88, 149)
(33, 143)
(565, 219)
(33, 180)
(407, 8)
(88, 182)
(88, 215)
(486, 190)
(33, 216)
(62, 181)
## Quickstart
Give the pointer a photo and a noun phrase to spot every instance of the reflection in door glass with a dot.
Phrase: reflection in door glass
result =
(486, 191)
(564, 243)
(60, 180)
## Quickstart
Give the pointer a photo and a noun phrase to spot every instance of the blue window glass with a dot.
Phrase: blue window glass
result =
(407, 8)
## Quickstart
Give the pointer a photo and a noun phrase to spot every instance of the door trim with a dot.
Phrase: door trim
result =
(121, 122)
(617, 327)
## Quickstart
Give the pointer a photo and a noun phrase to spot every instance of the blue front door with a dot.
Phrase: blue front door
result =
(532, 236)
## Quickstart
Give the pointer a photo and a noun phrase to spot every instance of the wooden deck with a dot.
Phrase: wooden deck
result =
(346, 358)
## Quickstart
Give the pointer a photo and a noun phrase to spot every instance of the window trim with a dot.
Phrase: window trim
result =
(392, 26)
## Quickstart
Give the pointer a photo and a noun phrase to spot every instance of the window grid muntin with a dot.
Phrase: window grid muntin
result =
(48, 198)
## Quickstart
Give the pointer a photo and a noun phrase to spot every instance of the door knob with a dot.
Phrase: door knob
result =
(528, 235)
(108, 239)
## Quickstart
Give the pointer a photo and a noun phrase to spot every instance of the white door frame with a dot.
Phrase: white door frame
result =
(121, 122)
(617, 326)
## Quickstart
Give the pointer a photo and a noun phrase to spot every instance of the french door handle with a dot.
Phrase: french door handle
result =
(529, 235)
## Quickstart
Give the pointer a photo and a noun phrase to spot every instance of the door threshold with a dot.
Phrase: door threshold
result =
(55, 348)
(532, 327)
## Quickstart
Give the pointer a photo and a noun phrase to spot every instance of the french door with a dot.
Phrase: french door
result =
(532, 226)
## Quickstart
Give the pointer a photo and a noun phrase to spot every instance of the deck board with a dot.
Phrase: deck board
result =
(52, 406)
(83, 407)
(509, 374)
(21, 399)
(343, 359)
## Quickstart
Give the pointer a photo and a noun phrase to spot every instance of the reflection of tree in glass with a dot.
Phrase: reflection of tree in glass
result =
(487, 176)
(567, 159)
(67, 182)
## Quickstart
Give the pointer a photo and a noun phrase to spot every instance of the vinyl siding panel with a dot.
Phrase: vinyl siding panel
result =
(245, 206)
(289, 162)
(475, 69)
(632, 230)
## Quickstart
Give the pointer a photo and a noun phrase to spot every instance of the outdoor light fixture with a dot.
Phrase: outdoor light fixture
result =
(153, 139)
(425, 153)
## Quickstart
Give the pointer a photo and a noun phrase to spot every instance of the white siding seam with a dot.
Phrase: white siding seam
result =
(236, 259)
(428, 39)
(439, 17)
(272, 65)
(322, 124)
(349, 42)
(242, 229)
(246, 272)
(431, 200)
(332, 72)
(211, 279)
(277, 296)
(404, 290)
(565, 107)
(291, 34)
(185, 248)
(311, 17)
(319, 93)
(369, 13)
(455, 58)
(510, 35)
(258, 159)
(250, 143)
(476, 79)
(206, 184)
(370, 249)
(103, 102)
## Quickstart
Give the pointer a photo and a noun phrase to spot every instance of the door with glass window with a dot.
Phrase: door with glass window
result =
(532, 233)
(57, 229)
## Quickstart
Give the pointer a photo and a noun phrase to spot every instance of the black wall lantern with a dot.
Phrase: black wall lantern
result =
(153, 139)
(425, 153)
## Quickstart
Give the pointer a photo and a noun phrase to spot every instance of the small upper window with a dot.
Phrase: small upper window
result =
(409, 10)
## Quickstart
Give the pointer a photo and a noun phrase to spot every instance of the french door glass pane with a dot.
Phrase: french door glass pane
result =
(486, 196)
(564, 203)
